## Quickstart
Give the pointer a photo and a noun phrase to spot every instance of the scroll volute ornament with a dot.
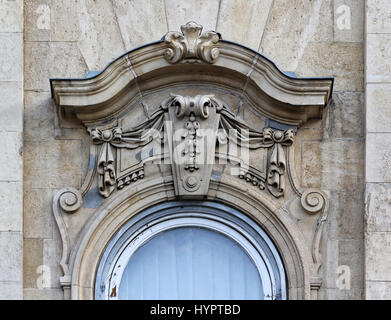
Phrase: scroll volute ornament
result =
(192, 45)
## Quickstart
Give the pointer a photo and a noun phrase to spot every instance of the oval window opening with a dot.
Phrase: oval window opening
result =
(190, 263)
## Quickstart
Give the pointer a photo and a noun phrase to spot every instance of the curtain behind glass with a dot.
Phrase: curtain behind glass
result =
(190, 263)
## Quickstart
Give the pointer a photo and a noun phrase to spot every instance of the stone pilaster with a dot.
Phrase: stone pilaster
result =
(11, 131)
(378, 150)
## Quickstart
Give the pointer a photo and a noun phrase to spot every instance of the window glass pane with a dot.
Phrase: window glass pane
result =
(190, 263)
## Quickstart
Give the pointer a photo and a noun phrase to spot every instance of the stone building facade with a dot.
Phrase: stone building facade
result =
(317, 96)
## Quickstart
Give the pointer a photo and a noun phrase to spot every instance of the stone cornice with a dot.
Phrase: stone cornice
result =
(145, 69)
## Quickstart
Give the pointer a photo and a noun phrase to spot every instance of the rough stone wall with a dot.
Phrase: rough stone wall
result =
(68, 38)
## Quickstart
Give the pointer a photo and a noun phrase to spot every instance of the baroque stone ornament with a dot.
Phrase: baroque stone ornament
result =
(191, 147)
(198, 131)
(192, 45)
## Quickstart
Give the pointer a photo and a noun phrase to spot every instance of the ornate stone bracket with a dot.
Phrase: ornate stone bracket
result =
(191, 45)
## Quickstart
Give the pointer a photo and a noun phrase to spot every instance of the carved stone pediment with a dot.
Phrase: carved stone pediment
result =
(192, 134)
(169, 116)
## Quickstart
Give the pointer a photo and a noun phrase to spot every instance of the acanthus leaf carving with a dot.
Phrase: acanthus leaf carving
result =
(192, 45)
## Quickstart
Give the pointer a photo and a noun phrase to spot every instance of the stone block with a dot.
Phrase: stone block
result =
(100, 38)
(140, 21)
(378, 256)
(378, 290)
(38, 219)
(378, 107)
(11, 256)
(37, 19)
(340, 60)
(346, 115)
(349, 20)
(11, 156)
(11, 291)
(378, 204)
(292, 25)
(32, 259)
(64, 24)
(52, 164)
(343, 165)
(378, 157)
(204, 12)
(11, 209)
(43, 294)
(232, 14)
(52, 249)
(378, 58)
(346, 214)
(45, 60)
(11, 106)
(378, 13)
(11, 56)
(11, 16)
(39, 109)
(311, 176)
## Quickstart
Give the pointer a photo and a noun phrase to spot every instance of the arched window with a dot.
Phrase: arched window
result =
(191, 250)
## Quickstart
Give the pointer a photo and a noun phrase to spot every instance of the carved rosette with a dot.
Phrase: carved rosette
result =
(191, 45)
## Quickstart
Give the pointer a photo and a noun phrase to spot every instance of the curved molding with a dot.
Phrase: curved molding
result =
(85, 257)
(165, 63)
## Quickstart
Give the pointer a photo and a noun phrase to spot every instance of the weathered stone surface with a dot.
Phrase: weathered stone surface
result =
(204, 12)
(343, 61)
(378, 58)
(351, 254)
(11, 56)
(346, 214)
(343, 165)
(37, 20)
(349, 20)
(64, 20)
(233, 12)
(51, 256)
(39, 111)
(43, 294)
(140, 22)
(346, 115)
(311, 165)
(378, 290)
(45, 60)
(11, 106)
(100, 38)
(11, 199)
(11, 257)
(52, 164)
(32, 259)
(378, 204)
(378, 256)
(378, 16)
(292, 26)
(378, 107)
(38, 219)
(378, 157)
(10, 291)
(11, 16)
(11, 148)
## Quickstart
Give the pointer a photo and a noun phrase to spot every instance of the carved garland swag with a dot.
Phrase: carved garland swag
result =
(231, 130)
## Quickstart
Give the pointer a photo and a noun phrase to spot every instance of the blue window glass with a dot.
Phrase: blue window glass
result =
(190, 263)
